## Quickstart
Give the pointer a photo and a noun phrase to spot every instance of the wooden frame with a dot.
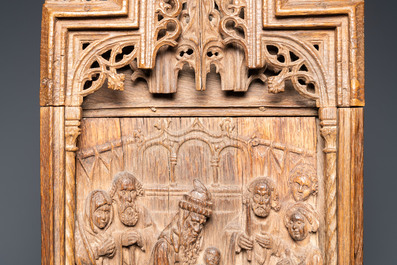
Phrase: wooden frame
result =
(336, 71)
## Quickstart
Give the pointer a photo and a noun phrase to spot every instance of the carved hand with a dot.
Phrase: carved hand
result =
(245, 242)
(131, 238)
(264, 240)
(108, 247)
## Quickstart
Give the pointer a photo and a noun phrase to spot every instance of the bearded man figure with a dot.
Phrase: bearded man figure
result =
(133, 228)
(181, 241)
(249, 238)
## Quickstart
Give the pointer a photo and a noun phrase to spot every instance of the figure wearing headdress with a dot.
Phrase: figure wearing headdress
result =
(301, 220)
(180, 242)
(94, 244)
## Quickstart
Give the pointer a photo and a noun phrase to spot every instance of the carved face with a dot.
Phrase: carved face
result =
(297, 226)
(193, 225)
(301, 187)
(101, 213)
(212, 256)
(261, 200)
(127, 194)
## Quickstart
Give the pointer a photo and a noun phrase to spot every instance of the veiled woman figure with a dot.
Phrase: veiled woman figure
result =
(301, 219)
(94, 244)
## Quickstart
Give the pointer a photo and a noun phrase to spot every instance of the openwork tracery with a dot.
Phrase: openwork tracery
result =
(203, 35)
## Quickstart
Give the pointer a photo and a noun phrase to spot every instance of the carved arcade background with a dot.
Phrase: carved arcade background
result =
(226, 154)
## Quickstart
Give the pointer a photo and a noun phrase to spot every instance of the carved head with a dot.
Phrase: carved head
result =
(300, 219)
(263, 197)
(212, 256)
(196, 207)
(99, 210)
(303, 182)
(125, 189)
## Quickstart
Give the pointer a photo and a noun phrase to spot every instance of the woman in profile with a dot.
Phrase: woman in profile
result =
(94, 244)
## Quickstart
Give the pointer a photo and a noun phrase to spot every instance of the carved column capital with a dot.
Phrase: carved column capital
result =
(329, 134)
(328, 128)
(72, 131)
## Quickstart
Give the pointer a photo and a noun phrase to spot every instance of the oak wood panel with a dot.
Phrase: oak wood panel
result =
(350, 183)
(136, 94)
(255, 62)
(111, 145)
(201, 112)
(357, 177)
(46, 180)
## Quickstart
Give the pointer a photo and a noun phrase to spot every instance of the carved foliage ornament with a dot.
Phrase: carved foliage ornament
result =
(202, 35)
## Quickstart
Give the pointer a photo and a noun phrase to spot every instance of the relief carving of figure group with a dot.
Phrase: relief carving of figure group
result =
(115, 228)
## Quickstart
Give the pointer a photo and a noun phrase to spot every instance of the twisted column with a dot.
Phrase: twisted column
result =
(72, 131)
(328, 131)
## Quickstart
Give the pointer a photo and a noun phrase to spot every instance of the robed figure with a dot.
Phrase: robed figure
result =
(133, 229)
(251, 238)
(301, 220)
(181, 241)
(94, 244)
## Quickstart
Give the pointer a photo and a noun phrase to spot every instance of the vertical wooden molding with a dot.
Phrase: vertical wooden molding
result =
(357, 191)
(344, 185)
(72, 131)
(46, 182)
(328, 122)
(350, 186)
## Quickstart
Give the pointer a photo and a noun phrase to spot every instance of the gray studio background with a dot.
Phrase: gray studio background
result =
(19, 133)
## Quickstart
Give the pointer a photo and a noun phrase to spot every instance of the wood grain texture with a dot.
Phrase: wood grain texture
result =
(166, 154)
(357, 185)
(46, 192)
(344, 87)
(350, 194)
(228, 93)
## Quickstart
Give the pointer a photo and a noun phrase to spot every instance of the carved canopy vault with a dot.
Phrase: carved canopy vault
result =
(166, 59)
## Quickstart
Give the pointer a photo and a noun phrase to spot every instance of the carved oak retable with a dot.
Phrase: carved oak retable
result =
(202, 132)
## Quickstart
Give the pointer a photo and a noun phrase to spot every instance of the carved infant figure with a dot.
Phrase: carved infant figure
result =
(180, 242)
(303, 182)
(253, 231)
(301, 219)
(212, 256)
(94, 243)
